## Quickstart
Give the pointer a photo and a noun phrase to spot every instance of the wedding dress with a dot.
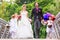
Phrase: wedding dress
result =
(24, 26)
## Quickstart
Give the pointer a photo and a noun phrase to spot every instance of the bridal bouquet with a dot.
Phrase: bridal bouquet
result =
(19, 17)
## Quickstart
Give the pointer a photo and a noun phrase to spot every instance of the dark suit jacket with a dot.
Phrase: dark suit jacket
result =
(37, 13)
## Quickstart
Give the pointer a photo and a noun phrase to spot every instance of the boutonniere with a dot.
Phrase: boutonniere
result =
(39, 10)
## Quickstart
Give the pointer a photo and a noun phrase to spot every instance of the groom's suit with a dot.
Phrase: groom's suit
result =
(37, 13)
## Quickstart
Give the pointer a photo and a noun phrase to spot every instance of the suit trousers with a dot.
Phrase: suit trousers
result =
(37, 25)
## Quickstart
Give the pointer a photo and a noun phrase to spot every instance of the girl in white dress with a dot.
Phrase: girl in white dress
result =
(49, 29)
(13, 26)
(24, 25)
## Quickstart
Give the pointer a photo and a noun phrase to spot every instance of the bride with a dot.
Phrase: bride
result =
(24, 26)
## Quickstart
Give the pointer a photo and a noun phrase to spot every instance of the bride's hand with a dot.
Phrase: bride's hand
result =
(30, 20)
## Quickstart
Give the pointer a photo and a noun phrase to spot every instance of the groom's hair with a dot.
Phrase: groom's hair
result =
(35, 3)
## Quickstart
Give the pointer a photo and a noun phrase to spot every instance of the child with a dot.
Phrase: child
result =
(49, 27)
(13, 25)
(49, 24)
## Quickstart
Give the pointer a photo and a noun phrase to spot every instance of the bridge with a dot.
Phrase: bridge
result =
(4, 29)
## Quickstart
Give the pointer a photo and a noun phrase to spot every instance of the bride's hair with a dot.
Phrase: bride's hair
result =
(24, 5)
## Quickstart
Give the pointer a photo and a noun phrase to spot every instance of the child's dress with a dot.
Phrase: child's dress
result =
(50, 22)
(13, 27)
(50, 30)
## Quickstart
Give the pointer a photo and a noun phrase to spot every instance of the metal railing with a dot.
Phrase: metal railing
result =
(4, 29)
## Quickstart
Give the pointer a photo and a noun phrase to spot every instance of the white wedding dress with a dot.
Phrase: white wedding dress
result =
(24, 26)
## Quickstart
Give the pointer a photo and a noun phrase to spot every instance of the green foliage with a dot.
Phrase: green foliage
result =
(19, 2)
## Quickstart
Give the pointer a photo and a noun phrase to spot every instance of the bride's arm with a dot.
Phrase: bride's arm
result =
(28, 17)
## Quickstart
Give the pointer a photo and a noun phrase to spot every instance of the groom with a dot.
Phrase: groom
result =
(37, 13)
